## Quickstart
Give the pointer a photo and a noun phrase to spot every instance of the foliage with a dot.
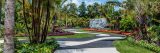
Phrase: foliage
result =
(150, 46)
(19, 28)
(145, 11)
(127, 23)
(19, 22)
(82, 10)
(73, 22)
(72, 9)
(154, 33)
(47, 47)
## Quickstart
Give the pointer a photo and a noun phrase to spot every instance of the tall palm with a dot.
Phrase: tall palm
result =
(0, 12)
(37, 17)
(9, 27)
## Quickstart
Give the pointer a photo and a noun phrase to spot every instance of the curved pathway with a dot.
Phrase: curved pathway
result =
(101, 43)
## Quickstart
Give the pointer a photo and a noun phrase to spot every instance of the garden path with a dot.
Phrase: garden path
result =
(101, 43)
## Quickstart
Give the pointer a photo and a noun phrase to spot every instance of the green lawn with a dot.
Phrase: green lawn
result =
(82, 35)
(123, 46)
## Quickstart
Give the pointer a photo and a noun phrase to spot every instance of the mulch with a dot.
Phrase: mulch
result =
(108, 31)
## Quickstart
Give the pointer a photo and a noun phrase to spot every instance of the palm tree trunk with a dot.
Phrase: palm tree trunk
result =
(9, 27)
(66, 21)
(0, 11)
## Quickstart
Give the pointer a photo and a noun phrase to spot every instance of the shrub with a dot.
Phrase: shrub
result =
(127, 23)
(154, 33)
(150, 46)
(25, 47)
(20, 28)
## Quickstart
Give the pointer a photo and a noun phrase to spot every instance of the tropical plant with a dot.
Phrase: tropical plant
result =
(128, 23)
(37, 31)
(25, 47)
(154, 34)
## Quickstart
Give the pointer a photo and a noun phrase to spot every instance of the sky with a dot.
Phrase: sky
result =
(90, 2)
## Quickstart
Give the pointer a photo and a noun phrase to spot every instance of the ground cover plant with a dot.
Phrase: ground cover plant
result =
(48, 46)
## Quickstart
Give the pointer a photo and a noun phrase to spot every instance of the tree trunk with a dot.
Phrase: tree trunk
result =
(66, 21)
(0, 12)
(9, 26)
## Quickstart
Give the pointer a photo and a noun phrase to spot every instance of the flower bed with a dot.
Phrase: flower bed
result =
(108, 31)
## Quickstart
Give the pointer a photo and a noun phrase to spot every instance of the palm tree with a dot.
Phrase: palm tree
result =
(9, 27)
(37, 17)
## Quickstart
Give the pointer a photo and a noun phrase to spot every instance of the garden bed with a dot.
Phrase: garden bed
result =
(47, 47)
(108, 31)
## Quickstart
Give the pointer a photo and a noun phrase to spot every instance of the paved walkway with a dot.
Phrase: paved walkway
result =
(89, 50)
(102, 43)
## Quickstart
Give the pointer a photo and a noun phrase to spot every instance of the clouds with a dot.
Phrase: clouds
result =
(88, 2)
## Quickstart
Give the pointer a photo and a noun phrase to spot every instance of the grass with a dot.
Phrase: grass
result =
(124, 46)
(81, 35)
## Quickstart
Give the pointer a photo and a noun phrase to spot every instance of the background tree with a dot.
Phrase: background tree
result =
(72, 8)
(82, 10)
(90, 11)
(96, 10)
(9, 27)
(65, 13)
